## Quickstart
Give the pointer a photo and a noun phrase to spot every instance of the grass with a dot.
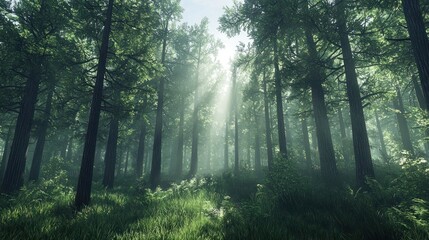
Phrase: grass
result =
(221, 208)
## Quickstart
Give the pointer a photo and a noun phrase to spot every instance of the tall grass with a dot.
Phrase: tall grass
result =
(214, 208)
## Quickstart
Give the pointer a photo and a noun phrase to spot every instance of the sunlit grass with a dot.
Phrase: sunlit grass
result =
(182, 212)
(203, 209)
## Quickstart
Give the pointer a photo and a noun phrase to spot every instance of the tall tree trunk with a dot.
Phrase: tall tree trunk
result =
(328, 165)
(267, 126)
(419, 42)
(314, 143)
(288, 132)
(69, 155)
(120, 159)
(419, 93)
(226, 145)
(140, 150)
(306, 143)
(235, 107)
(155, 171)
(209, 153)
(180, 140)
(381, 137)
(363, 160)
(127, 157)
(422, 104)
(279, 101)
(5, 153)
(344, 141)
(258, 165)
(195, 121)
(41, 137)
(402, 122)
(110, 155)
(13, 177)
(83, 192)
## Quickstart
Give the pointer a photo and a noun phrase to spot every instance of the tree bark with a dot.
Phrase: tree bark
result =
(306, 143)
(83, 193)
(419, 43)
(235, 107)
(41, 139)
(344, 141)
(258, 165)
(328, 165)
(363, 160)
(140, 150)
(279, 102)
(180, 140)
(267, 126)
(127, 156)
(13, 177)
(381, 138)
(5, 153)
(155, 171)
(226, 145)
(402, 122)
(195, 121)
(110, 155)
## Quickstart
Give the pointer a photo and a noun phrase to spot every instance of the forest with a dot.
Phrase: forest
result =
(120, 120)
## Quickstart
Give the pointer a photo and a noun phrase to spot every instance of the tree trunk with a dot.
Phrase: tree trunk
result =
(41, 137)
(363, 160)
(83, 193)
(226, 146)
(13, 177)
(402, 122)
(110, 155)
(267, 127)
(127, 156)
(381, 137)
(419, 42)
(422, 104)
(140, 150)
(195, 121)
(5, 153)
(155, 171)
(180, 140)
(258, 165)
(235, 107)
(344, 142)
(279, 101)
(69, 156)
(306, 143)
(328, 165)
(120, 159)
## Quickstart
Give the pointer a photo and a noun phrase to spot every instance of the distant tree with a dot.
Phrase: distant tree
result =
(169, 11)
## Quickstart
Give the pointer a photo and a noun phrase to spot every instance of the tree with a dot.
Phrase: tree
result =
(41, 138)
(419, 42)
(363, 160)
(42, 20)
(169, 11)
(326, 148)
(83, 191)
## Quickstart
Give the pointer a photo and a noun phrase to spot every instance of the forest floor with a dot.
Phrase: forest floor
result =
(208, 208)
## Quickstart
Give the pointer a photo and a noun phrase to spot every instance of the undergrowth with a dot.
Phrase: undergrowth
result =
(285, 205)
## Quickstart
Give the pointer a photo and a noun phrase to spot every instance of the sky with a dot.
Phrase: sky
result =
(195, 10)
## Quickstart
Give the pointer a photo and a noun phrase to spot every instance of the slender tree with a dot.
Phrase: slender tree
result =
(41, 138)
